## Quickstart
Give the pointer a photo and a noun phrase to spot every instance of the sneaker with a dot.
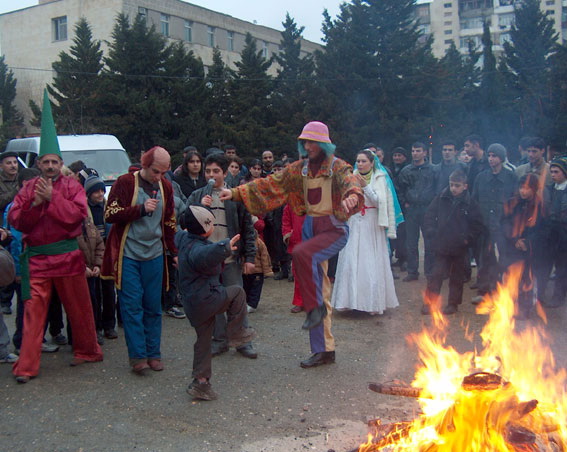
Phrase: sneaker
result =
(201, 391)
(111, 334)
(473, 263)
(6, 310)
(49, 348)
(250, 309)
(10, 358)
(59, 339)
(175, 313)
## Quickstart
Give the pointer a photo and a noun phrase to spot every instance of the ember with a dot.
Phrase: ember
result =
(508, 397)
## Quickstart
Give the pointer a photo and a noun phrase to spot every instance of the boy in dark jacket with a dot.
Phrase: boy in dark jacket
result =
(451, 222)
(200, 267)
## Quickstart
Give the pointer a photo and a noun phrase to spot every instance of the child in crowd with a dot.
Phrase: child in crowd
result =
(254, 282)
(452, 221)
(200, 266)
(522, 225)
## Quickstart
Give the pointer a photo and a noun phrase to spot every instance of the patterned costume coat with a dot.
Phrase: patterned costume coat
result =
(121, 210)
(263, 195)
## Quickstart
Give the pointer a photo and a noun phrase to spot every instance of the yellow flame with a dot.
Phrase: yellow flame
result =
(478, 420)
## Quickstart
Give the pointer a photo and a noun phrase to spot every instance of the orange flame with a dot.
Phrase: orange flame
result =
(457, 417)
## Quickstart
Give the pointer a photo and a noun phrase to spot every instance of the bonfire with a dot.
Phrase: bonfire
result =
(507, 397)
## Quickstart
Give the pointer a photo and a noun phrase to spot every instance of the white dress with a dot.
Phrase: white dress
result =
(364, 278)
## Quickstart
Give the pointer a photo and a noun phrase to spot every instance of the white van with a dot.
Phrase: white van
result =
(101, 152)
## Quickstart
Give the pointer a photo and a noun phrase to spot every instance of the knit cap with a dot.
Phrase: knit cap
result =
(561, 163)
(498, 150)
(93, 183)
(198, 220)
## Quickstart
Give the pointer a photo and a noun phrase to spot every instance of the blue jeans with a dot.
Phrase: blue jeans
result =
(140, 306)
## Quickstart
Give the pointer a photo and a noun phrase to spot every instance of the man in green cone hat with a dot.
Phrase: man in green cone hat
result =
(49, 210)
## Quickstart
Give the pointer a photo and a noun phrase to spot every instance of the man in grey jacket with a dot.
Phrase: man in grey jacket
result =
(231, 218)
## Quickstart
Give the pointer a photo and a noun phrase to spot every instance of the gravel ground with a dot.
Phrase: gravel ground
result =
(265, 405)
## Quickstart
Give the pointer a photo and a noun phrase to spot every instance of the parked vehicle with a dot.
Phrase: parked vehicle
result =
(101, 152)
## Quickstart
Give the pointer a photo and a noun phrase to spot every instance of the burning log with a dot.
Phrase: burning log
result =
(387, 435)
(482, 381)
(518, 435)
(396, 388)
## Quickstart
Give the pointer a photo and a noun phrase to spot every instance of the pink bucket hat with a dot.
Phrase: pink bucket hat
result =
(315, 131)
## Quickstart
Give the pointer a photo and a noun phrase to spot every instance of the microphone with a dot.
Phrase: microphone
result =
(209, 187)
(153, 196)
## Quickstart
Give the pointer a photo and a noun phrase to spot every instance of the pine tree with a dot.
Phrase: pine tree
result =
(217, 103)
(76, 83)
(250, 90)
(134, 94)
(292, 88)
(11, 123)
(558, 112)
(528, 56)
(376, 75)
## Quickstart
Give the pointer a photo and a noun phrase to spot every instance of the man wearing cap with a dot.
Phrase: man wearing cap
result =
(142, 210)
(323, 188)
(8, 190)
(493, 187)
(554, 248)
(49, 210)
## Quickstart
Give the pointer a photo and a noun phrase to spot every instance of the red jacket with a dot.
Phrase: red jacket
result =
(50, 222)
(292, 224)
(121, 210)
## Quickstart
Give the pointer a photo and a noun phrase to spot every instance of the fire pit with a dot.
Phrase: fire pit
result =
(507, 397)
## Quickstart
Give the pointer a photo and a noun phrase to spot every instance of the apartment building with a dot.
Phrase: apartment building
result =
(32, 38)
(461, 21)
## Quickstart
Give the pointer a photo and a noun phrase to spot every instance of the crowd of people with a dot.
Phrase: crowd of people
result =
(198, 242)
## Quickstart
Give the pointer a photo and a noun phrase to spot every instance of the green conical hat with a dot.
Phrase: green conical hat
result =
(48, 143)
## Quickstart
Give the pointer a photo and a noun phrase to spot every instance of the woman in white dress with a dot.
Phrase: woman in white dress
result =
(364, 278)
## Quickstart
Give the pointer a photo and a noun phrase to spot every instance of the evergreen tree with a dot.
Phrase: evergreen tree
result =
(134, 101)
(250, 89)
(217, 103)
(292, 88)
(558, 113)
(76, 81)
(527, 55)
(11, 121)
(376, 75)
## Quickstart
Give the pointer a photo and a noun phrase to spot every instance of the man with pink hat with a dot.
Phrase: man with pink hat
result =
(323, 188)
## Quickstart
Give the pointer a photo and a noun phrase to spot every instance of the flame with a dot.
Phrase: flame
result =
(522, 399)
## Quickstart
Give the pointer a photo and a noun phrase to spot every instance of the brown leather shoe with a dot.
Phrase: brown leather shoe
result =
(155, 364)
(140, 368)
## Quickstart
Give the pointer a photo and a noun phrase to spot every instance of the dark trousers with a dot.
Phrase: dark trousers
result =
(169, 297)
(55, 316)
(399, 245)
(6, 294)
(235, 308)
(489, 268)
(454, 266)
(549, 257)
(414, 224)
(17, 337)
(253, 287)
(107, 296)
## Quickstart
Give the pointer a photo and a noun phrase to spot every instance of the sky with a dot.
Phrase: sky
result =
(271, 13)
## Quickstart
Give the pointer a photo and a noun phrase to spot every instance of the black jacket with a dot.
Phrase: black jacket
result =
(555, 222)
(452, 224)
(189, 185)
(238, 221)
(200, 266)
(475, 168)
(417, 185)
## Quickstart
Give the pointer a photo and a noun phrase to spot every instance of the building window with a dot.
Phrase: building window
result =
(424, 28)
(448, 32)
(59, 25)
(506, 20)
(550, 2)
(466, 5)
(143, 13)
(188, 31)
(211, 34)
(230, 41)
(464, 42)
(473, 22)
(448, 41)
(448, 14)
(165, 25)
(447, 5)
(265, 49)
(448, 23)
